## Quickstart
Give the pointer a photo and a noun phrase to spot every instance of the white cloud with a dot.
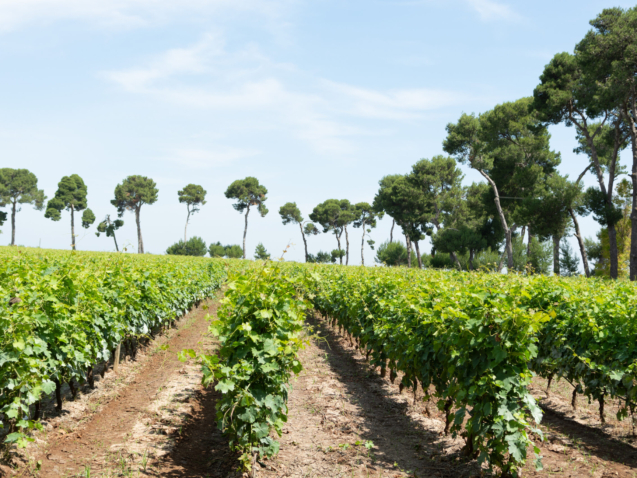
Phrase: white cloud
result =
(311, 109)
(490, 10)
(123, 13)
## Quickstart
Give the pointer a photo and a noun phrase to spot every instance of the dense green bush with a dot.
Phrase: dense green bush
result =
(195, 246)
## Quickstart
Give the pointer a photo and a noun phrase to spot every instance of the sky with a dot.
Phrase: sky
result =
(317, 99)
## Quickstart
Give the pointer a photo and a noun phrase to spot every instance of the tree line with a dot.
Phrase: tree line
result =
(524, 198)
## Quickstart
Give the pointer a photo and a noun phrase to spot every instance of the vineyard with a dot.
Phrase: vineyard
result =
(470, 342)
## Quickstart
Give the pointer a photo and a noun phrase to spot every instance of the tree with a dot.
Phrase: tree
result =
(19, 186)
(509, 147)
(233, 251)
(406, 204)
(459, 240)
(569, 264)
(131, 195)
(194, 196)
(337, 254)
(195, 246)
(70, 195)
(608, 62)
(568, 94)
(320, 258)
(108, 227)
(260, 253)
(391, 254)
(247, 192)
(366, 217)
(334, 215)
(216, 250)
(290, 213)
(548, 214)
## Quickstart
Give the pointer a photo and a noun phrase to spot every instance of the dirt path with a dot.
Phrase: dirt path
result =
(151, 418)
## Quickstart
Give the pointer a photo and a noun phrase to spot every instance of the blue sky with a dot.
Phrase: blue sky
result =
(317, 99)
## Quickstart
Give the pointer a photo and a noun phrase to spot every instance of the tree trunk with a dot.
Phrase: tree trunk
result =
(245, 231)
(304, 240)
(391, 232)
(631, 120)
(140, 241)
(13, 211)
(347, 246)
(528, 247)
(408, 241)
(116, 248)
(455, 259)
(613, 253)
(418, 254)
(363, 246)
(72, 227)
(470, 259)
(186, 228)
(522, 234)
(338, 240)
(580, 241)
(509, 246)
(556, 254)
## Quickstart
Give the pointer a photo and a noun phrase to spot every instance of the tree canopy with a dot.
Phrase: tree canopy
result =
(131, 195)
(194, 197)
(72, 196)
(19, 186)
(247, 193)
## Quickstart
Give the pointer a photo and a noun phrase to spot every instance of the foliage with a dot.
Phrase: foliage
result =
(194, 196)
(73, 310)
(392, 254)
(260, 328)
(19, 186)
(70, 195)
(334, 215)
(261, 253)
(320, 258)
(569, 262)
(88, 218)
(248, 192)
(290, 213)
(337, 254)
(230, 251)
(536, 259)
(133, 193)
(195, 246)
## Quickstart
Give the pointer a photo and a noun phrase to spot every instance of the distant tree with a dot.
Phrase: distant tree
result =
(366, 219)
(248, 192)
(405, 203)
(132, 194)
(320, 258)
(290, 213)
(19, 186)
(509, 147)
(108, 227)
(569, 263)
(391, 254)
(233, 251)
(70, 195)
(194, 196)
(337, 254)
(195, 246)
(460, 240)
(216, 250)
(334, 215)
(606, 56)
(260, 253)
(88, 218)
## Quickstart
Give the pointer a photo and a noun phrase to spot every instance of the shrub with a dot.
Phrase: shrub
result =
(195, 246)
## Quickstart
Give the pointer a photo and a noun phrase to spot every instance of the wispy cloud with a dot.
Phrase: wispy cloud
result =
(124, 13)
(319, 111)
(490, 10)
